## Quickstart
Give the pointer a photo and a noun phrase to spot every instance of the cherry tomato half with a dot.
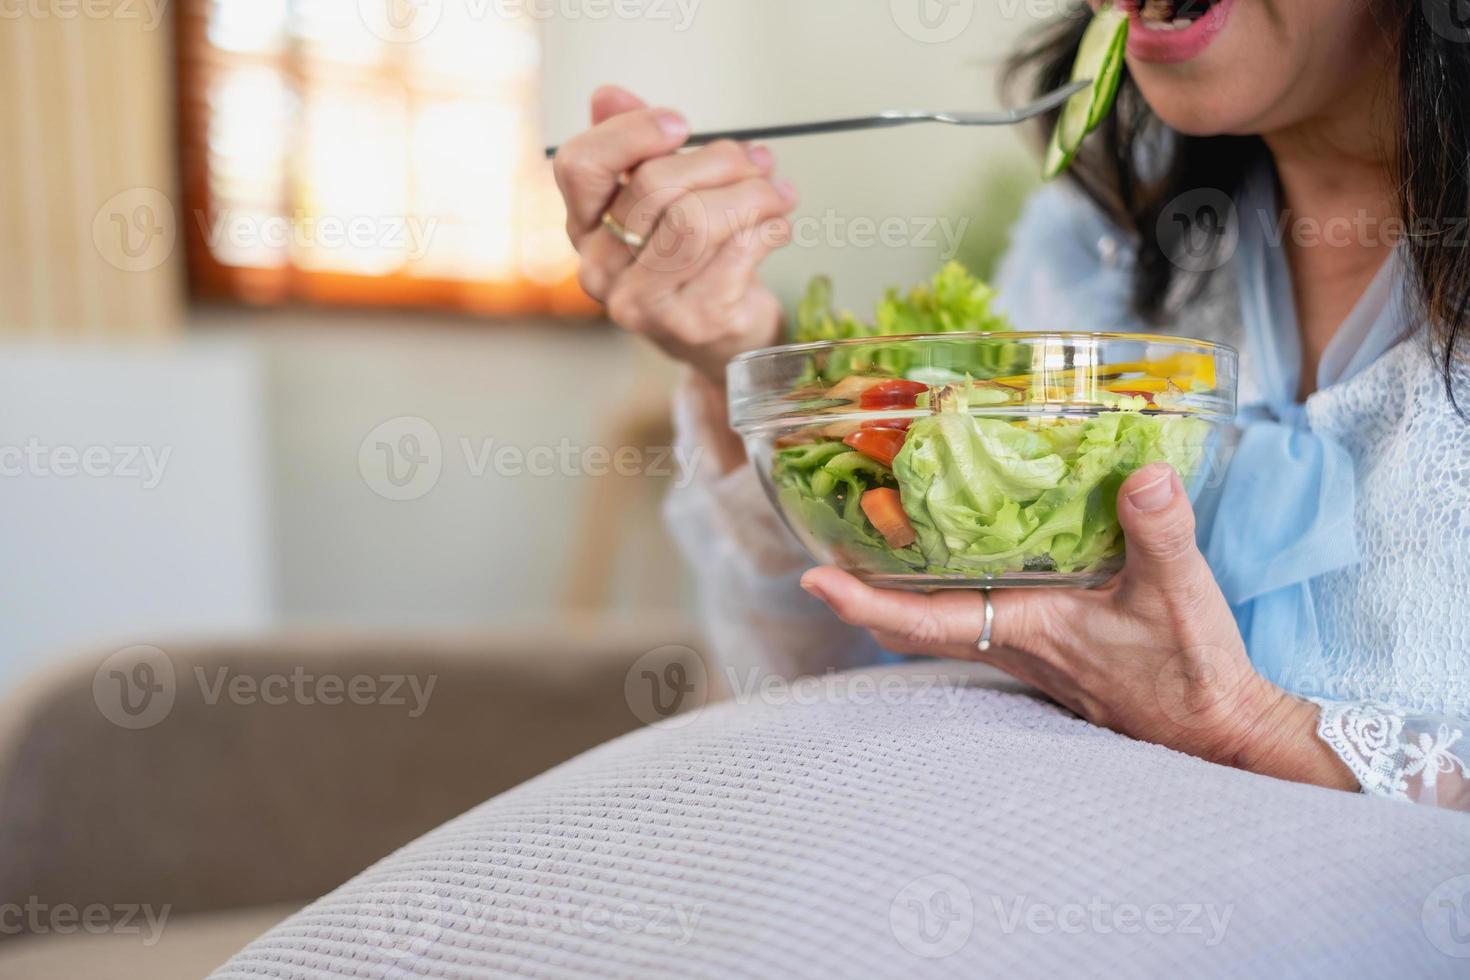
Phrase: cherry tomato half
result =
(879, 444)
(892, 394)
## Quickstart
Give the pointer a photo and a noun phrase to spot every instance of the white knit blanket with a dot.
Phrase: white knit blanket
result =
(899, 826)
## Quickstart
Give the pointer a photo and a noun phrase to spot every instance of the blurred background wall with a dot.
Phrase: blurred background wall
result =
(275, 415)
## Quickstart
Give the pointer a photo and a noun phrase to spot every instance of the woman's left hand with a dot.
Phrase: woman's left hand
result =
(1155, 654)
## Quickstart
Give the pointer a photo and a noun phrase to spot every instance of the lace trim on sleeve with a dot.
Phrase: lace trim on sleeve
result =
(1391, 753)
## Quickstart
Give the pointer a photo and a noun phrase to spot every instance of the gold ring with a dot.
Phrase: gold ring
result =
(628, 238)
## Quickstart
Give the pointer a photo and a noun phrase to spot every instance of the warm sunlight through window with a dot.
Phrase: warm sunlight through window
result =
(369, 152)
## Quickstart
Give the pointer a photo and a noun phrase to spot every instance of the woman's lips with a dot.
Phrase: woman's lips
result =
(1171, 46)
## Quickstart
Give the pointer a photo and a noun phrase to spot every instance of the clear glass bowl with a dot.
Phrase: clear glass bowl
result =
(971, 460)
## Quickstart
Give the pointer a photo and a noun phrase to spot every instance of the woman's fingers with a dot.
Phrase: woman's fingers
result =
(689, 237)
(1158, 523)
(920, 621)
(651, 189)
(705, 220)
(942, 619)
(590, 166)
(718, 294)
(613, 100)
(654, 186)
(603, 260)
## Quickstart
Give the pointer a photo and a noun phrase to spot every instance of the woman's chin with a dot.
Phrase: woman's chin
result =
(1207, 115)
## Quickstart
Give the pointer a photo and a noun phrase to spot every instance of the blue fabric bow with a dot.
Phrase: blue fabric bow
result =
(1285, 516)
(1285, 511)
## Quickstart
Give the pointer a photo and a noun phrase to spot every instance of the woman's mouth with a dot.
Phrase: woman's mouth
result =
(1167, 31)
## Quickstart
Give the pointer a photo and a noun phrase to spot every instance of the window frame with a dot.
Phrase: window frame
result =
(212, 281)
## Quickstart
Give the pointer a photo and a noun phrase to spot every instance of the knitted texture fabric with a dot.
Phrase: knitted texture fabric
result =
(899, 824)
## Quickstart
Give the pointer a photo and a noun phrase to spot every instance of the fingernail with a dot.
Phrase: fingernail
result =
(787, 190)
(674, 125)
(812, 588)
(760, 156)
(1154, 495)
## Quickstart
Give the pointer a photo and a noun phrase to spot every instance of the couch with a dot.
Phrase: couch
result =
(154, 845)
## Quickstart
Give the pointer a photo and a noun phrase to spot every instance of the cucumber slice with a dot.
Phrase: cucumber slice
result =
(1099, 57)
(1057, 159)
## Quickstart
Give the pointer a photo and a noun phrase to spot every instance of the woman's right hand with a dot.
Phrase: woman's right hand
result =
(708, 218)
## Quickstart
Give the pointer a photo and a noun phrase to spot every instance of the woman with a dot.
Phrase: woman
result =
(1319, 631)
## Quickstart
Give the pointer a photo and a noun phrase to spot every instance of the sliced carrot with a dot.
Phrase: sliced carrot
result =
(884, 508)
(880, 444)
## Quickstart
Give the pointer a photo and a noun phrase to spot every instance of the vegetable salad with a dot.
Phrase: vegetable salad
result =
(962, 480)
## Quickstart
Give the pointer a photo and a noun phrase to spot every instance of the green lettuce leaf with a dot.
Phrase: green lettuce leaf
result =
(952, 302)
(988, 495)
(820, 487)
(855, 545)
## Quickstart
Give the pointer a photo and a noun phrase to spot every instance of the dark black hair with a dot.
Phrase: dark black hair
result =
(1429, 169)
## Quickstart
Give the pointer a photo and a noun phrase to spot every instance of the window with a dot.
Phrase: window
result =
(373, 152)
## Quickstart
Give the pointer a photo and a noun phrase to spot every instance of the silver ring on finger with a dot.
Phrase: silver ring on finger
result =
(983, 644)
(615, 227)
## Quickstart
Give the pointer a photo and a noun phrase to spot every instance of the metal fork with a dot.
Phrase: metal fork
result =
(891, 118)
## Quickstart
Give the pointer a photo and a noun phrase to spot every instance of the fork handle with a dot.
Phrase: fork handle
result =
(792, 129)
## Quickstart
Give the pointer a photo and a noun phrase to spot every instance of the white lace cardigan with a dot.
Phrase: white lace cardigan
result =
(1393, 680)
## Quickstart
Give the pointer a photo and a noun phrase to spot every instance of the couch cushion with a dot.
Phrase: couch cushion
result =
(899, 826)
(248, 788)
